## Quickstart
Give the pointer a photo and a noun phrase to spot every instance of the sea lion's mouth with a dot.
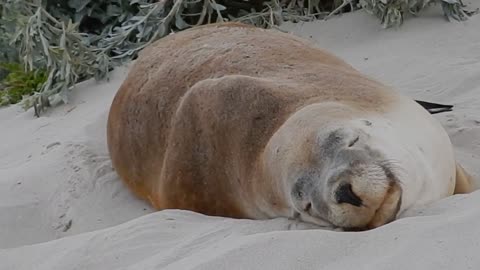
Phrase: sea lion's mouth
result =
(389, 208)
(309, 217)
(377, 221)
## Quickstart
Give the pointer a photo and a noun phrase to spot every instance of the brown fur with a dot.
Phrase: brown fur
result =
(189, 125)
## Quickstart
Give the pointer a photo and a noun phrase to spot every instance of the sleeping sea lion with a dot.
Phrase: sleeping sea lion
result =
(236, 121)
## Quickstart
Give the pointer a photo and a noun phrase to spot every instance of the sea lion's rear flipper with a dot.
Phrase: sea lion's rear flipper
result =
(434, 108)
(464, 182)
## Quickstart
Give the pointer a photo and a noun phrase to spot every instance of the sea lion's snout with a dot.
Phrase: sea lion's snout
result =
(355, 190)
(363, 195)
(345, 194)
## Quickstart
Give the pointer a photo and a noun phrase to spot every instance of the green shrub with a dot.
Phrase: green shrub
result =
(392, 12)
(20, 83)
(8, 53)
(74, 40)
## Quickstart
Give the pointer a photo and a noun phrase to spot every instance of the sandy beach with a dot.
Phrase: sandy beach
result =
(62, 205)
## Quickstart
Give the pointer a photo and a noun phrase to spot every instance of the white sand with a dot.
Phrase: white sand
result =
(62, 206)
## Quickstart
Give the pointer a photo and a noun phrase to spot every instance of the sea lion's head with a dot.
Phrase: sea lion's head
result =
(338, 173)
(348, 183)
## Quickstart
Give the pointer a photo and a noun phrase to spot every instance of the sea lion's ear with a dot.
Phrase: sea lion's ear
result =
(464, 182)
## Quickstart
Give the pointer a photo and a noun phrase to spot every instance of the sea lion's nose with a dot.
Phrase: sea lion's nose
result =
(345, 194)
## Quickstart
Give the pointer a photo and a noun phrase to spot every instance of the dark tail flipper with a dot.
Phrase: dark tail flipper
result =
(434, 108)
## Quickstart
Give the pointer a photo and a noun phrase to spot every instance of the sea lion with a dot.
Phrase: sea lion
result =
(235, 121)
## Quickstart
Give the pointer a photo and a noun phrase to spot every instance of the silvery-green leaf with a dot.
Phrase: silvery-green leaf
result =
(162, 30)
(218, 7)
(451, 1)
(179, 22)
(136, 18)
(78, 4)
(45, 45)
(113, 10)
(64, 95)
(148, 30)
(55, 99)
(122, 17)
